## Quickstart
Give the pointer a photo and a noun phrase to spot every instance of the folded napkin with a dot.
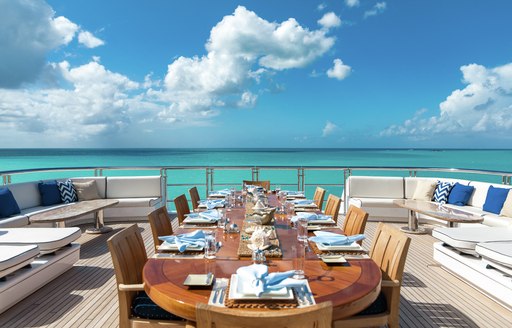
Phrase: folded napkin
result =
(210, 215)
(224, 192)
(213, 203)
(334, 239)
(302, 201)
(194, 238)
(253, 189)
(255, 279)
(310, 216)
(293, 193)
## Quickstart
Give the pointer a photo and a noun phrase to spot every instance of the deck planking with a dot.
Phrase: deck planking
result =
(86, 296)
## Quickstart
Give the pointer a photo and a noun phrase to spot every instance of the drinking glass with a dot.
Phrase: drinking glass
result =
(298, 260)
(222, 217)
(302, 229)
(210, 247)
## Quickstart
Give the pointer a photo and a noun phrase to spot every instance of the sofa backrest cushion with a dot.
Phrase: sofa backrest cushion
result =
(26, 194)
(8, 205)
(376, 187)
(101, 184)
(86, 190)
(507, 206)
(411, 184)
(130, 187)
(495, 199)
(460, 194)
(50, 193)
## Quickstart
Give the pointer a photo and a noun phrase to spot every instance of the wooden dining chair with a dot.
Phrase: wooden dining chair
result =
(316, 316)
(135, 308)
(182, 208)
(389, 250)
(194, 197)
(264, 183)
(332, 207)
(355, 222)
(160, 223)
(318, 197)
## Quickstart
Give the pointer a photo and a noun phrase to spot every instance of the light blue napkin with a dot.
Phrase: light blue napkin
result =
(302, 201)
(334, 239)
(256, 279)
(294, 193)
(310, 216)
(211, 215)
(194, 238)
(213, 203)
(224, 192)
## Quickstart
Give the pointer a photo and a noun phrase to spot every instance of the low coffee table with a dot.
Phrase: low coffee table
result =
(436, 210)
(64, 213)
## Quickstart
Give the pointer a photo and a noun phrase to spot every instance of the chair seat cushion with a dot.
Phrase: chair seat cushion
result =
(143, 307)
(380, 305)
(48, 239)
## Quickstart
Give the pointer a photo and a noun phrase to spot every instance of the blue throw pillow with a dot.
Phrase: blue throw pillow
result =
(67, 191)
(442, 192)
(50, 193)
(8, 205)
(495, 199)
(460, 194)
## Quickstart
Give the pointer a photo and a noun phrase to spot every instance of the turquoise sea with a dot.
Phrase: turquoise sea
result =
(17, 159)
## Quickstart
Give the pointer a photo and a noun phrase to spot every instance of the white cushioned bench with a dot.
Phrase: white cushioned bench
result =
(466, 239)
(497, 255)
(47, 239)
(14, 257)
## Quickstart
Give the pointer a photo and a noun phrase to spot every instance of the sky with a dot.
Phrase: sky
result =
(256, 74)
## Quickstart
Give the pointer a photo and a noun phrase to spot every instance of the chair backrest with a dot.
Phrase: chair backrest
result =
(194, 197)
(318, 198)
(333, 207)
(128, 256)
(264, 183)
(389, 250)
(182, 208)
(355, 221)
(160, 223)
(317, 316)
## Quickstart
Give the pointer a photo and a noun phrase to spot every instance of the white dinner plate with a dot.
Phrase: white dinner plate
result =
(174, 247)
(198, 219)
(352, 247)
(236, 294)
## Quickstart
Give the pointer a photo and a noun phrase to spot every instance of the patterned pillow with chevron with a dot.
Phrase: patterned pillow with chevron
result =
(442, 191)
(67, 191)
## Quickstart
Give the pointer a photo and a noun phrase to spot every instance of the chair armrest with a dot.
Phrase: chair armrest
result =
(390, 283)
(131, 288)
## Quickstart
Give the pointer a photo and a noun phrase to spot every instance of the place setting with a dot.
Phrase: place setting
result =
(336, 249)
(254, 287)
(196, 244)
(210, 204)
(314, 221)
(205, 219)
(303, 205)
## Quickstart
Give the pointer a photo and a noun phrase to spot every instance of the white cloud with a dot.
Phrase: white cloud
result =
(329, 20)
(339, 70)
(377, 9)
(241, 49)
(248, 100)
(329, 129)
(89, 40)
(321, 6)
(28, 32)
(352, 3)
(483, 106)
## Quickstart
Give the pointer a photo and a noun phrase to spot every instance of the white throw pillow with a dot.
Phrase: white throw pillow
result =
(424, 190)
(506, 210)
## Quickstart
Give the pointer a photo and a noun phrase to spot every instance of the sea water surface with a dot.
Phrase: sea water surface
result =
(494, 160)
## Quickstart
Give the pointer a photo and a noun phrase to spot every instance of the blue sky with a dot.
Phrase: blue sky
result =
(339, 74)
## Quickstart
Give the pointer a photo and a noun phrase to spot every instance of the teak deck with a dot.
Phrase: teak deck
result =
(85, 296)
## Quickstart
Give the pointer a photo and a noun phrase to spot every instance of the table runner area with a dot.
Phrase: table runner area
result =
(245, 251)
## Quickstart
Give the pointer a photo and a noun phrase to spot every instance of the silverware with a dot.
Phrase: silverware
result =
(222, 295)
(300, 295)
(308, 295)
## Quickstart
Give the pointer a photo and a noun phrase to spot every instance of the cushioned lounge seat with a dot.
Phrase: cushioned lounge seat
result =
(498, 255)
(13, 257)
(465, 239)
(48, 239)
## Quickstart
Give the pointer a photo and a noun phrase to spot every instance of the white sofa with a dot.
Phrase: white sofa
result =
(376, 194)
(138, 196)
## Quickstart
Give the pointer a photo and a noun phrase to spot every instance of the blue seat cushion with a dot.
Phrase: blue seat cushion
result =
(460, 194)
(50, 193)
(143, 307)
(495, 199)
(380, 305)
(8, 205)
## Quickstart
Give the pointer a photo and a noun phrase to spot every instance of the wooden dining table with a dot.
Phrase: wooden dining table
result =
(351, 287)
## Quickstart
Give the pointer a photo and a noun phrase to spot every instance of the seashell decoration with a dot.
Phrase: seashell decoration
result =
(260, 239)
